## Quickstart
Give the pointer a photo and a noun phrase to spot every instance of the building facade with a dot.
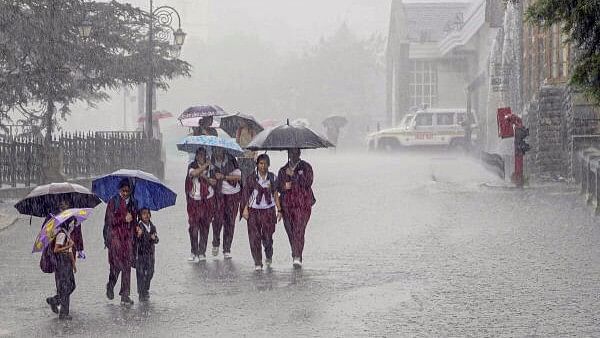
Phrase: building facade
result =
(560, 119)
(437, 55)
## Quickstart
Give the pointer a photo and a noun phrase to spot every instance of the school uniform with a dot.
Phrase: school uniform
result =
(144, 262)
(259, 196)
(200, 208)
(64, 276)
(227, 202)
(296, 203)
(119, 239)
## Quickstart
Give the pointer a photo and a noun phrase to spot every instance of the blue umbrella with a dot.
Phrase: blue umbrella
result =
(148, 191)
(191, 143)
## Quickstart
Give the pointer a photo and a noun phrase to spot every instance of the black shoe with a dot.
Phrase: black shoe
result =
(110, 294)
(64, 317)
(53, 305)
(126, 301)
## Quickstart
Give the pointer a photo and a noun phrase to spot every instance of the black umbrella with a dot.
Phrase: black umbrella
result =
(288, 136)
(45, 199)
(335, 121)
(231, 123)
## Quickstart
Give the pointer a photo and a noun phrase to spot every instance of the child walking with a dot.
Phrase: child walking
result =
(145, 240)
(259, 200)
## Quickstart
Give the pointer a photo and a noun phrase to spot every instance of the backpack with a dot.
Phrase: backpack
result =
(48, 259)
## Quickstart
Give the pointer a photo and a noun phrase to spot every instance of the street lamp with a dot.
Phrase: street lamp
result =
(162, 16)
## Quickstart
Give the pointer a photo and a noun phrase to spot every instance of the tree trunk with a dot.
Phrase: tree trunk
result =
(49, 123)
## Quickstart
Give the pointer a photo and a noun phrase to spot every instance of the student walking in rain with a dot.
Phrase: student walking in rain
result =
(145, 240)
(64, 271)
(259, 202)
(199, 194)
(120, 220)
(227, 198)
(294, 183)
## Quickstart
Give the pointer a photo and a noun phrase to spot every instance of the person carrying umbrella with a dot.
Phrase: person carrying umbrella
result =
(244, 135)
(294, 180)
(199, 194)
(64, 270)
(294, 183)
(204, 127)
(119, 223)
(227, 198)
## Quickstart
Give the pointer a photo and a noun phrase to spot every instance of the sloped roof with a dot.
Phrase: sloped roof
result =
(431, 17)
(410, 18)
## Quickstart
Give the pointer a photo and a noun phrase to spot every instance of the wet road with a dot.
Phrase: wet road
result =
(401, 245)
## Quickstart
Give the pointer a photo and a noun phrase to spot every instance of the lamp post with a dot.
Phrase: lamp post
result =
(161, 16)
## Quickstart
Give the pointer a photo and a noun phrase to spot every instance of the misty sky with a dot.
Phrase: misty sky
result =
(287, 26)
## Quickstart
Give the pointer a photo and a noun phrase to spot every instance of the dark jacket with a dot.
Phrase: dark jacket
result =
(144, 245)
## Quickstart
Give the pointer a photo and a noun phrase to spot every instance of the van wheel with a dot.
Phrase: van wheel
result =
(388, 145)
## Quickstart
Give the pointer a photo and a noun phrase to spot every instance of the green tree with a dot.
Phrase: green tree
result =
(45, 66)
(580, 21)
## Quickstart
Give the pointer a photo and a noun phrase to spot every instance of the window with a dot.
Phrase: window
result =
(424, 119)
(423, 84)
(445, 119)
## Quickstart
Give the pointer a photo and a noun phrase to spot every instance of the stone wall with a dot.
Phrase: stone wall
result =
(547, 156)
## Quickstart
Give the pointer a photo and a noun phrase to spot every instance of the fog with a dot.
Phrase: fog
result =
(240, 50)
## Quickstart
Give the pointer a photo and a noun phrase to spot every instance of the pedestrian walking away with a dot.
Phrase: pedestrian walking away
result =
(199, 192)
(119, 223)
(259, 202)
(227, 200)
(294, 183)
(145, 240)
(64, 273)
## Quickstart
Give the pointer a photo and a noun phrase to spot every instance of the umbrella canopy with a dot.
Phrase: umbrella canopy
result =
(335, 121)
(157, 115)
(50, 228)
(269, 123)
(231, 123)
(148, 191)
(288, 136)
(44, 199)
(191, 143)
(191, 116)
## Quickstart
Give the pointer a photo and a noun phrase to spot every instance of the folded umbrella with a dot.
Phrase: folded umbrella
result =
(148, 191)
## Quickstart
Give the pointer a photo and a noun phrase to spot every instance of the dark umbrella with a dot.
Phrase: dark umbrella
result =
(288, 136)
(190, 116)
(231, 123)
(45, 199)
(335, 121)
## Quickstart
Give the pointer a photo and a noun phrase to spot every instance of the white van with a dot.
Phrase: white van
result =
(427, 127)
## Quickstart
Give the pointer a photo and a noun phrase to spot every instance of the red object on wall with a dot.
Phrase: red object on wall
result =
(505, 124)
